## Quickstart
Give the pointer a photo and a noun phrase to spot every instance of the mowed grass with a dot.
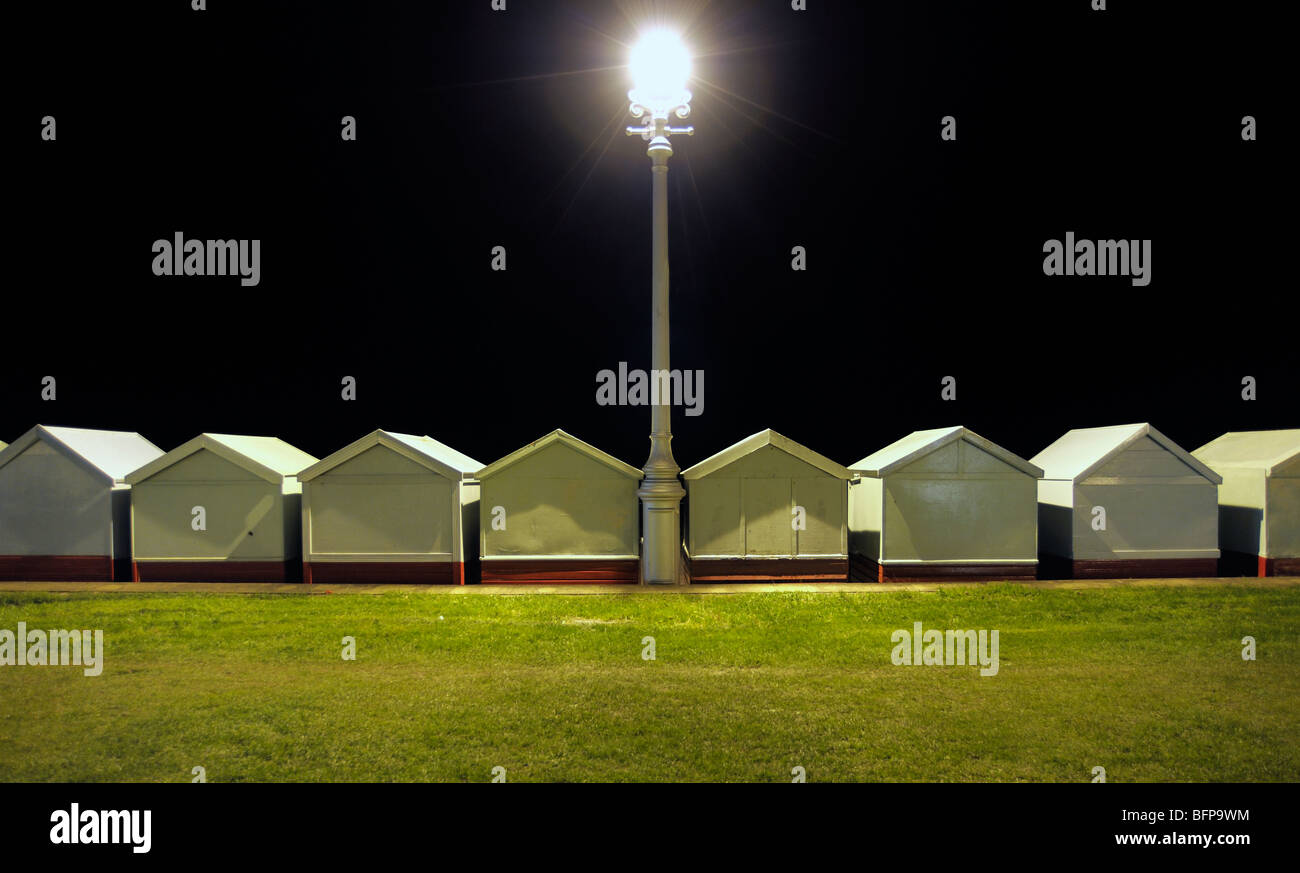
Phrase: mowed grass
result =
(1146, 682)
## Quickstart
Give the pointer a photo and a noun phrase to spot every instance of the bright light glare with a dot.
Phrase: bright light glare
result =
(660, 66)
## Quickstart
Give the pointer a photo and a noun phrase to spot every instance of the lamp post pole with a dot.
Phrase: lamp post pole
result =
(660, 492)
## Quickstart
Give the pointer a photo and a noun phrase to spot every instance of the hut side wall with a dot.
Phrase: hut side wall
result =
(468, 544)
(865, 500)
(292, 525)
(121, 510)
(1241, 511)
(1056, 517)
(1283, 515)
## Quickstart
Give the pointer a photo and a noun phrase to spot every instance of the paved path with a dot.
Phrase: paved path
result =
(615, 590)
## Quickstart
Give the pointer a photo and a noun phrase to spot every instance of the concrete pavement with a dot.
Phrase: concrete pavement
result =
(613, 590)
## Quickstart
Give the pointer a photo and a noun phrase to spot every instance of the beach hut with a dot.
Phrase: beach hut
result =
(560, 510)
(943, 503)
(1125, 501)
(65, 506)
(766, 508)
(390, 507)
(219, 508)
(1259, 501)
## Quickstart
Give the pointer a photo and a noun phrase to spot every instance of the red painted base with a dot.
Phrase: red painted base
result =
(1248, 564)
(864, 569)
(524, 571)
(57, 568)
(385, 572)
(215, 571)
(1278, 566)
(1153, 568)
(769, 570)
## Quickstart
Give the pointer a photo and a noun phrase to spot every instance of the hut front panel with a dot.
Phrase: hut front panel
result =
(1151, 519)
(1144, 459)
(378, 460)
(202, 466)
(768, 462)
(1283, 517)
(559, 501)
(389, 517)
(975, 461)
(244, 514)
(824, 503)
(767, 506)
(960, 504)
(51, 506)
(381, 507)
(946, 459)
(713, 516)
(954, 517)
(746, 509)
(244, 521)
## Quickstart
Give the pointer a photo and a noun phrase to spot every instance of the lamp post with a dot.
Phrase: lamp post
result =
(660, 66)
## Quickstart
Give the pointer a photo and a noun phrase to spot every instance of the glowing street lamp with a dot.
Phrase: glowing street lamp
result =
(660, 67)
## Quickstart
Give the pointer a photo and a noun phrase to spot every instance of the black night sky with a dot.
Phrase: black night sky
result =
(817, 128)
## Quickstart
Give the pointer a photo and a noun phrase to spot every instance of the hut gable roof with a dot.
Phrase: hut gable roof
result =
(109, 454)
(423, 450)
(761, 440)
(1080, 452)
(1267, 450)
(267, 458)
(920, 443)
(566, 439)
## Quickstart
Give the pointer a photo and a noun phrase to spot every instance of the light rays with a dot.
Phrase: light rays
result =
(713, 38)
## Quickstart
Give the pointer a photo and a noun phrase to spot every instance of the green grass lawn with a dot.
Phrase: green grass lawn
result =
(1146, 682)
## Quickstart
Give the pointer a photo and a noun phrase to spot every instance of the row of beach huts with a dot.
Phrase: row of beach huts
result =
(1123, 501)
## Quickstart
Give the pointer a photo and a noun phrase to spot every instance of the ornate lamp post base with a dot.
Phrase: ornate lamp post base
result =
(661, 522)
